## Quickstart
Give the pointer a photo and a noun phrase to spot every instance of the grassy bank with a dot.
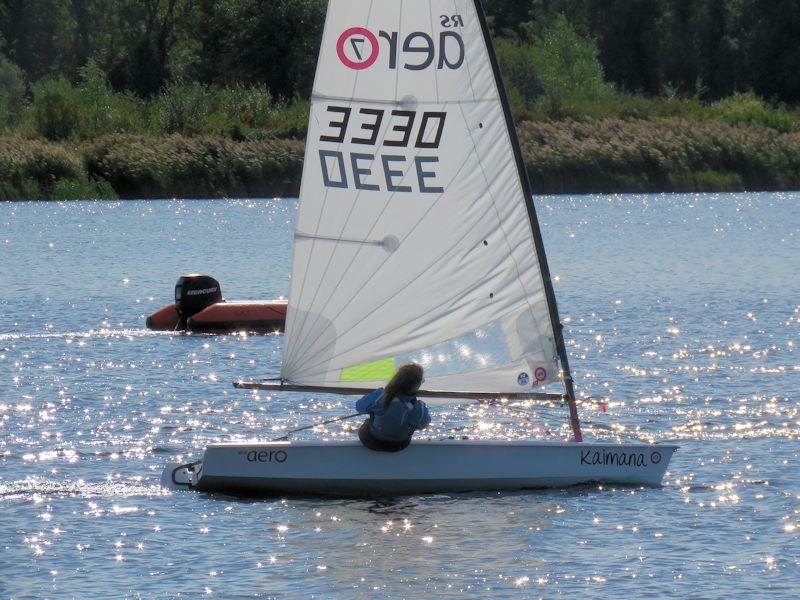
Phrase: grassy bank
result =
(601, 155)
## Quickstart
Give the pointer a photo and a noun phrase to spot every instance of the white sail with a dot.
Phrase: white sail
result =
(413, 238)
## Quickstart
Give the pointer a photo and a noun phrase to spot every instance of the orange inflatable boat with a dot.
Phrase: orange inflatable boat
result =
(199, 307)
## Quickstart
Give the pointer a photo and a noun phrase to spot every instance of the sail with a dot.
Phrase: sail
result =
(414, 239)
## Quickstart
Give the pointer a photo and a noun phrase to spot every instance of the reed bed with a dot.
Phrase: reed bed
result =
(665, 155)
(192, 167)
(586, 156)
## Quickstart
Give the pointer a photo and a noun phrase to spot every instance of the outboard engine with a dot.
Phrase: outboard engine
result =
(193, 293)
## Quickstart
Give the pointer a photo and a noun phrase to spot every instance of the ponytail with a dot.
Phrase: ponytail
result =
(405, 382)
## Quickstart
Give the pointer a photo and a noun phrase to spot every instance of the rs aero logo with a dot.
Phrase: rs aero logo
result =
(359, 48)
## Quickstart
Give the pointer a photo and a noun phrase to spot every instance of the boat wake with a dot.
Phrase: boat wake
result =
(92, 333)
(34, 489)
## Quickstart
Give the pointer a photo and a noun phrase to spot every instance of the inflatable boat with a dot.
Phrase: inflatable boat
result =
(199, 307)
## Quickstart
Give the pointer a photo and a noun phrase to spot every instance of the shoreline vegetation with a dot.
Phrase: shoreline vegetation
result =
(562, 157)
(606, 97)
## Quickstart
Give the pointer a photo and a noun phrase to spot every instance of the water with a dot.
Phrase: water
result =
(683, 315)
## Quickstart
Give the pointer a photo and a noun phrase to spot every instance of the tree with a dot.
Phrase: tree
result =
(37, 35)
(12, 92)
(772, 49)
(628, 40)
(568, 69)
(272, 42)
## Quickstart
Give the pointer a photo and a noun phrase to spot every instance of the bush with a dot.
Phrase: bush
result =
(237, 112)
(56, 108)
(749, 108)
(102, 110)
(182, 108)
(247, 105)
(289, 120)
(83, 188)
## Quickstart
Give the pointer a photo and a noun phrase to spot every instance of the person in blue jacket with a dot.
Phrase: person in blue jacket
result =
(394, 412)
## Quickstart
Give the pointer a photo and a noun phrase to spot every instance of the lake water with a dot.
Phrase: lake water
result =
(682, 312)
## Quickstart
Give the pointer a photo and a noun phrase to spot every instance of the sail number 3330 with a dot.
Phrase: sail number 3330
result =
(391, 170)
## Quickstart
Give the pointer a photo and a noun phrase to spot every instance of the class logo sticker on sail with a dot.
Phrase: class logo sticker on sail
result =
(359, 48)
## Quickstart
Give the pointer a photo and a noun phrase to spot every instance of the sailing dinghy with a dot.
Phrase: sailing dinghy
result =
(417, 240)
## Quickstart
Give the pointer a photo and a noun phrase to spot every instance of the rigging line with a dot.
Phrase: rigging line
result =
(397, 71)
(435, 71)
(325, 197)
(313, 425)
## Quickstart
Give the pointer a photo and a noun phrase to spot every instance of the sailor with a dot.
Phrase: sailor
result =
(394, 412)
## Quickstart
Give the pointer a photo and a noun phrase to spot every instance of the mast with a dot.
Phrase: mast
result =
(535, 230)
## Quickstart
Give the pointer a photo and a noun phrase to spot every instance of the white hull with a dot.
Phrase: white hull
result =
(349, 469)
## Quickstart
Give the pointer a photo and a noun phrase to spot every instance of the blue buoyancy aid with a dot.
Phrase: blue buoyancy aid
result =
(396, 421)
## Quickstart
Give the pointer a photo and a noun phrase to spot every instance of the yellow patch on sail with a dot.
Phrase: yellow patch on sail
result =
(378, 370)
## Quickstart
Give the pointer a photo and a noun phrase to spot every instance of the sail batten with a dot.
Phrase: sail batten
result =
(414, 238)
